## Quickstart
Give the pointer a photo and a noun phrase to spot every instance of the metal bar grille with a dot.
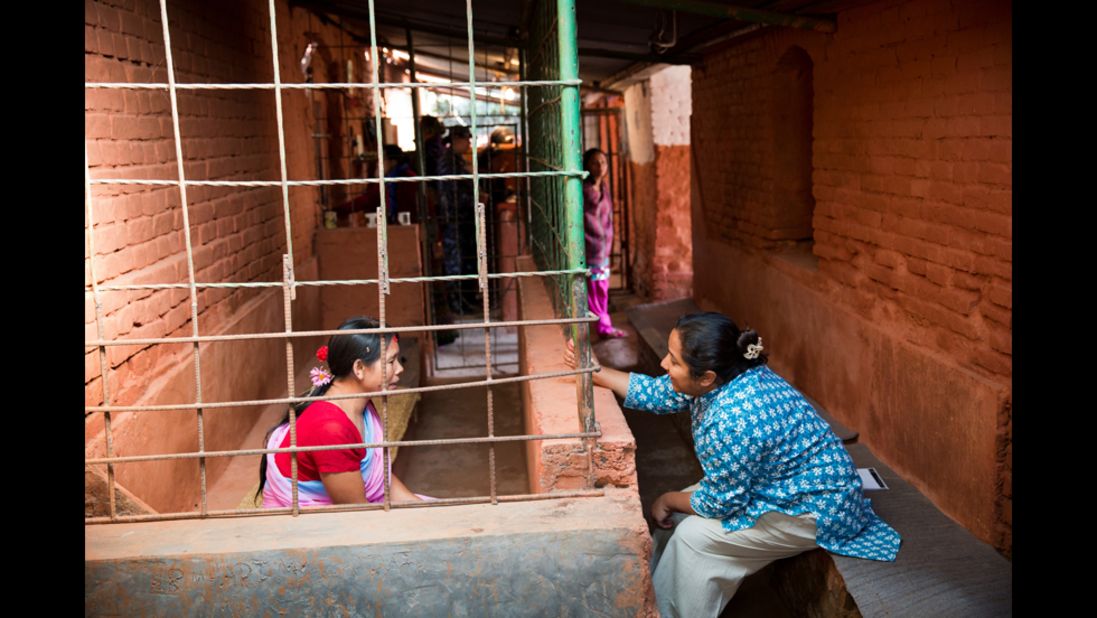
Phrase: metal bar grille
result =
(178, 140)
(332, 85)
(341, 508)
(416, 389)
(550, 175)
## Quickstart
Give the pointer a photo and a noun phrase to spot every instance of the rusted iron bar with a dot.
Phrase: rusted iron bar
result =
(104, 375)
(319, 283)
(290, 400)
(341, 508)
(178, 137)
(324, 183)
(362, 331)
(329, 85)
(353, 445)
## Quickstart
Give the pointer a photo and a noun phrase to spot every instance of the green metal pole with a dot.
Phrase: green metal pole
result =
(573, 207)
(524, 190)
(569, 134)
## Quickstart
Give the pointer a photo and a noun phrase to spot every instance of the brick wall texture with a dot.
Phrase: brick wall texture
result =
(662, 256)
(236, 234)
(912, 166)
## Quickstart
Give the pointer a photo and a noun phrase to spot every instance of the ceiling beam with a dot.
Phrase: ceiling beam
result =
(715, 9)
(670, 58)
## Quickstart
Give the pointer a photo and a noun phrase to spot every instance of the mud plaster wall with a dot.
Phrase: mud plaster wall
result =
(351, 253)
(236, 235)
(657, 112)
(899, 320)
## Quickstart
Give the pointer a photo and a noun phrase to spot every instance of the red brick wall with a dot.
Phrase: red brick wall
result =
(237, 234)
(912, 183)
(644, 205)
(662, 248)
(671, 274)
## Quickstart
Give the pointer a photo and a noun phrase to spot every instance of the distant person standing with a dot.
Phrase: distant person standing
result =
(399, 196)
(436, 163)
(598, 222)
(459, 233)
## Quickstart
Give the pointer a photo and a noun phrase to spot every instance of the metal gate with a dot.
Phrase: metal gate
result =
(551, 177)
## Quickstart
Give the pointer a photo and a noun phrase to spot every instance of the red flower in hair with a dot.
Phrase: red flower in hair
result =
(322, 353)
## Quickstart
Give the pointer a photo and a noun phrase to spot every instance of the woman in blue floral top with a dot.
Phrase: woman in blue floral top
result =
(777, 480)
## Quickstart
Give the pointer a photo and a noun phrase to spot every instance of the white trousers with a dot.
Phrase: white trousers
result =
(698, 565)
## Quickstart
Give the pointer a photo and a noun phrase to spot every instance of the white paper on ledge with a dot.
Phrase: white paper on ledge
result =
(870, 479)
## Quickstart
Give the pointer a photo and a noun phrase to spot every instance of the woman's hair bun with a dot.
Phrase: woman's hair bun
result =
(747, 337)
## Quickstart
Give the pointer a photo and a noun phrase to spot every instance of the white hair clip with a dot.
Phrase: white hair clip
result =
(753, 350)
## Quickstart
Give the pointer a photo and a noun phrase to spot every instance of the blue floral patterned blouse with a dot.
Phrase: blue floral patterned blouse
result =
(763, 448)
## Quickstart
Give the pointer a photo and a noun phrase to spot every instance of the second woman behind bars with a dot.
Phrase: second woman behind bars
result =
(338, 476)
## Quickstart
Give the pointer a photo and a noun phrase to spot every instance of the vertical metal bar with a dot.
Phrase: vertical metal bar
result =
(281, 141)
(317, 140)
(472, 121)
(481, 245)
(573, 204)
(170, 65)
(382, 249)
(287, 311)
(289, 293)
(346, 151)
(523, 238)
(100, 330)
(482, 265)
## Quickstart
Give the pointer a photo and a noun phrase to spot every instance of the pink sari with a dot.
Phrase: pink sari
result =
(278, 490)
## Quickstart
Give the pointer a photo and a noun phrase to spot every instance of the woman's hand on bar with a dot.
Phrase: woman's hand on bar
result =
(613, 379)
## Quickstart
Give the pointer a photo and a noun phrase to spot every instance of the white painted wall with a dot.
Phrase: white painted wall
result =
(671, 104)
(657, 111)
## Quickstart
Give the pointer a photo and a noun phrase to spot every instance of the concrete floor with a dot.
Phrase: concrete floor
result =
(452, 471)
(465, 356)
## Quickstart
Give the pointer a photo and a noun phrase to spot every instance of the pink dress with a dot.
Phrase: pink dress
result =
(598, 223)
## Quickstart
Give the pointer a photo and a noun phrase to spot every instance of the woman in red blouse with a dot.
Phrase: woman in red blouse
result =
(347, 475)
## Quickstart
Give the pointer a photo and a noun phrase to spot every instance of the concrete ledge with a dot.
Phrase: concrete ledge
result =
(550, 407)
(566, 557)
(942, 569)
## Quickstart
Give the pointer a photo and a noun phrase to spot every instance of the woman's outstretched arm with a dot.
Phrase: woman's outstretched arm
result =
(608, 377)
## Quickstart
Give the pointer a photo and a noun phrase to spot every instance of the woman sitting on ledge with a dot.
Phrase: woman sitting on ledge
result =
(777, 481)
(341, 476)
